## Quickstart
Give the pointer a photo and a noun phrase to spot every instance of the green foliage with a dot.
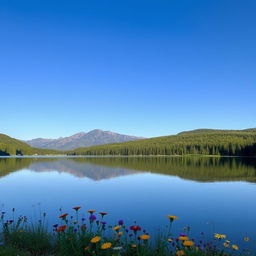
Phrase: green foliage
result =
(203, 142)
(33, 238)
(10, 251)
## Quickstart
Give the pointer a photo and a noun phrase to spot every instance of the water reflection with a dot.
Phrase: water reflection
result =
(202, 169)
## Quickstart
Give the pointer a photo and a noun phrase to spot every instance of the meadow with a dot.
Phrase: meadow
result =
(86, 232)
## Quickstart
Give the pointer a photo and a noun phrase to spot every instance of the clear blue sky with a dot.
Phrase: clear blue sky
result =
(146, 68)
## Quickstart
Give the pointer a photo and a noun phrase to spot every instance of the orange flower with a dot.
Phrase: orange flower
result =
(183, 238)
(116, 228)
(61, 228)
(144, 237)
(180, 253)
(106, 246)
(91, 211)
(76, 208)
(103, 213)
(172, 218)
(188, 243)
(95, 239)
(63, 216)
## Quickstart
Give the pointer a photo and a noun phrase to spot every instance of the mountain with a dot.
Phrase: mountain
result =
(82, 139)
(11, 146)
(201, 141)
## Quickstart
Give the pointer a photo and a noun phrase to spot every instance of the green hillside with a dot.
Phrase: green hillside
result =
(202, 141)
(11, 146)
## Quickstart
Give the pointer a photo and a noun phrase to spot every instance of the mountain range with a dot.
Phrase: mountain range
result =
(82, 139)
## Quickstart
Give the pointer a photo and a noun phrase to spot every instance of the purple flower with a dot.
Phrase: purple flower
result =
(120, 222)
(103, 223)
(55, 225)
(92, 218)
(182, 234)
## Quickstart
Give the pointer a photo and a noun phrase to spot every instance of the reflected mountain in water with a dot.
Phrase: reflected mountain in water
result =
(80, 169)
(202, 169)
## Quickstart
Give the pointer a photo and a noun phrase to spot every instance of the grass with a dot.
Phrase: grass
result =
(75, 236)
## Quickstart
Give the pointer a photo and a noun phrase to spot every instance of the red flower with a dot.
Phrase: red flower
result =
(135, 228)
(83, 227)
(77, 208)
(63, 216)
(61, 228)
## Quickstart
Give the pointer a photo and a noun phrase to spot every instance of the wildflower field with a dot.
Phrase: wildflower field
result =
(77, 234)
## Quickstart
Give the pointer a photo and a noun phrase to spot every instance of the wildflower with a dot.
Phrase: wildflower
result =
(180, 253)
(61, 228)
(103, 214)
(183, 238)
(169, 240)
(95, 239)
(91, 211)
(226, 245)
(172, 218)
(86, 248)
(219, 236)
(134, 245)
(55, 225)
(117, 248)
(188, 243)
(83, 227)
(235, 247)
(116, 228)
(76, 208)
(105, 246)
(135, 228)
(63, 216)
(92, 218)
(120, 233)
(144, 237)
(120, 222)
(227, 241)
(246, 239)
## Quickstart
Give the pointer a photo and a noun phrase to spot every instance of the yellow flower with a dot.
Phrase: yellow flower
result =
(219, 236)
(169, 240)
(116, 228)
(188, 243)
(235, 247)
(95, 240)
(172, 218)
(134, 245)
(120, 233)
(246, 239)
(180, 253)
(144, 237)
(105, 246)
(226, 245)
(183, 238)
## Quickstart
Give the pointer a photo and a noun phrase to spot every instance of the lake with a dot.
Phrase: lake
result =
(209, 194)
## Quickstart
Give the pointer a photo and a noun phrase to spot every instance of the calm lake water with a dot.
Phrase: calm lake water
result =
(207, 194)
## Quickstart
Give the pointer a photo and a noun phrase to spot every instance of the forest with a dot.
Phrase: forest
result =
(196, 142)
(203, 142)
(10, 146)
